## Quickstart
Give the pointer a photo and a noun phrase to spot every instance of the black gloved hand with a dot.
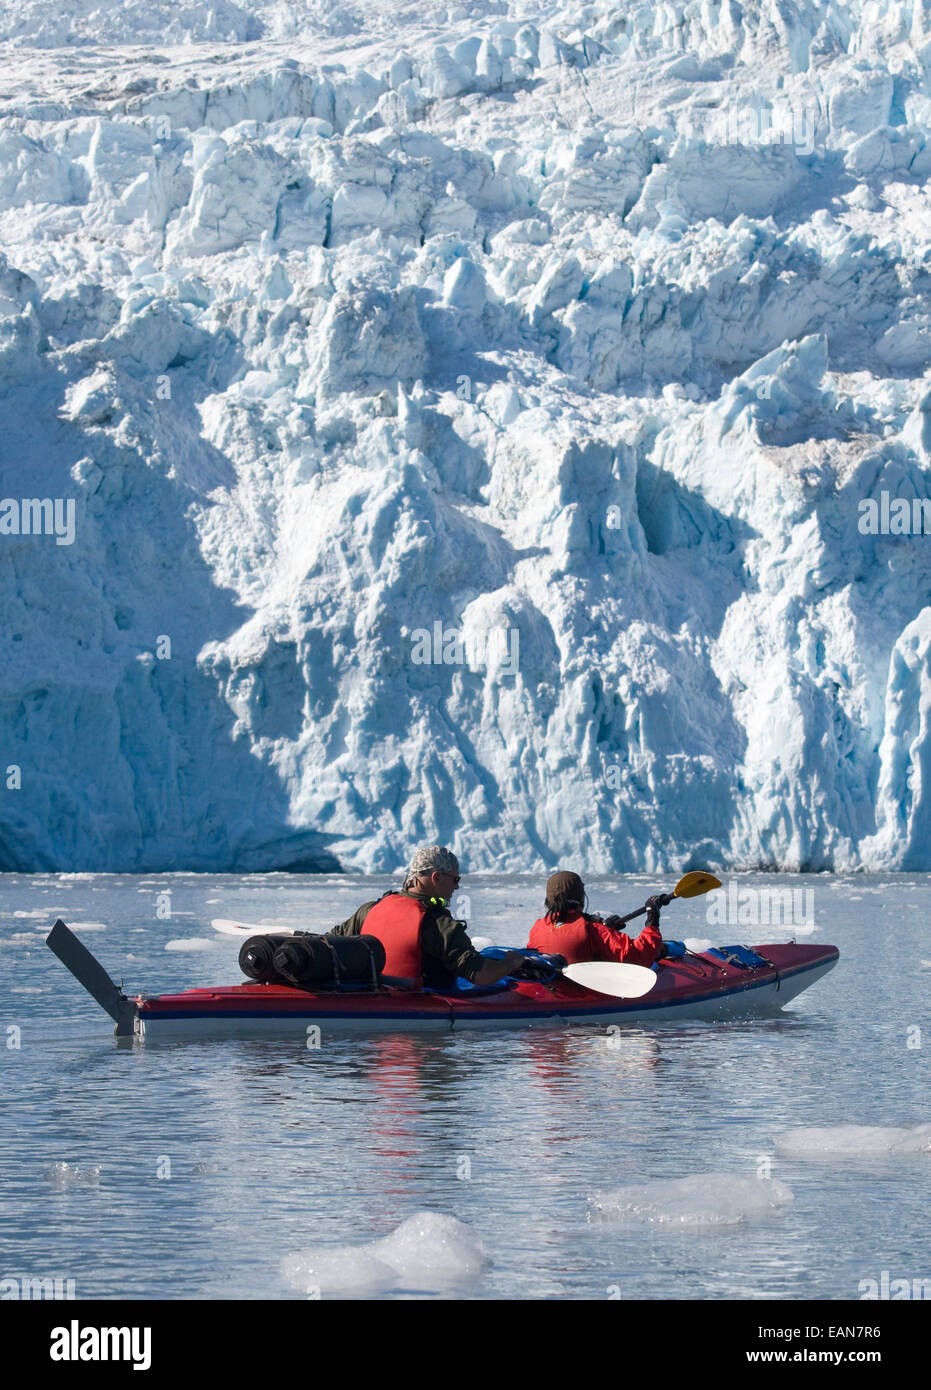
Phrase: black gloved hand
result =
(614, 923)
(653, 906)
(534, 969)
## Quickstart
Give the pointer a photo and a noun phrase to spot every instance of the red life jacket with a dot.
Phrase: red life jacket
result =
(397, 921)
(587, 938)
(570, 939)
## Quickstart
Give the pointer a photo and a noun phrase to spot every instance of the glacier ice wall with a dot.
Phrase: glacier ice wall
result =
(469, 411)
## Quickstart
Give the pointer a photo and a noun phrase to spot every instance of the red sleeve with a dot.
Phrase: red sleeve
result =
(618, 946)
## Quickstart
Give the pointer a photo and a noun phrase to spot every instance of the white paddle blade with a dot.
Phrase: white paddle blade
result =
(609, 977)
(228, 928)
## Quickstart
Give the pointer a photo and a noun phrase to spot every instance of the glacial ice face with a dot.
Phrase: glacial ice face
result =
(581, 333)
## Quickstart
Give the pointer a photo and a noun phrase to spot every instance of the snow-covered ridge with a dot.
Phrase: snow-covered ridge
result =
(571, 338)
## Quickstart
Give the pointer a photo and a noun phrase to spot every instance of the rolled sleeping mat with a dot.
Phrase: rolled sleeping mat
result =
(257, 959)
(330, 959)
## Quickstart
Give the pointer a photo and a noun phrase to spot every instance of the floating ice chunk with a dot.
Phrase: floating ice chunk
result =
(338, 1271)
(697, 943)
(191, 943)
(483, 943)
(433, 1249)
(854, 1141)
(427, 1250)
(707, 1199)
(65, 1175)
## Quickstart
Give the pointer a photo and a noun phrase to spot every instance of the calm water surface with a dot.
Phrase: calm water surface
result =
(273, 1148)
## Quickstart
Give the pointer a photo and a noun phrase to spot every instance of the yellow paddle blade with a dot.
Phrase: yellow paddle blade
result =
(692, 885)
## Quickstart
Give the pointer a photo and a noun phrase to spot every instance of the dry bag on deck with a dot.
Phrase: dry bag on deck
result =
(743, 956)
(257, 959)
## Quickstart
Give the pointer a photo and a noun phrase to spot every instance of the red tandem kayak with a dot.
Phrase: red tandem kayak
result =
(703, 985)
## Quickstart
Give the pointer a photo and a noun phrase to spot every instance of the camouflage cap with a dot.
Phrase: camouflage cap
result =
(434, 859)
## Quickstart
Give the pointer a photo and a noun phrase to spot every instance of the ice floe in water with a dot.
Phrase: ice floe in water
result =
(707, 1199)
(427, 1251)
(70, 1175)
(854, 1141)
(191, 943)
(341, 1270)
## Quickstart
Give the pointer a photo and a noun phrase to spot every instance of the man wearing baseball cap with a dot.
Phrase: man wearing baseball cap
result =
(423, 942)
(569, 931)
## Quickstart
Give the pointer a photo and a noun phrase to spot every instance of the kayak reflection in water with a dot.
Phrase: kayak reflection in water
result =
(570, 931)
(424, 944)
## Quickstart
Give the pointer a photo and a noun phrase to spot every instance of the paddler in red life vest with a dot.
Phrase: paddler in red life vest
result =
(423, 942)
(569, 931)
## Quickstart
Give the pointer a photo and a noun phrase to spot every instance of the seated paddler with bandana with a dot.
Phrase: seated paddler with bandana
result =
(568, 930)
(423, 942)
